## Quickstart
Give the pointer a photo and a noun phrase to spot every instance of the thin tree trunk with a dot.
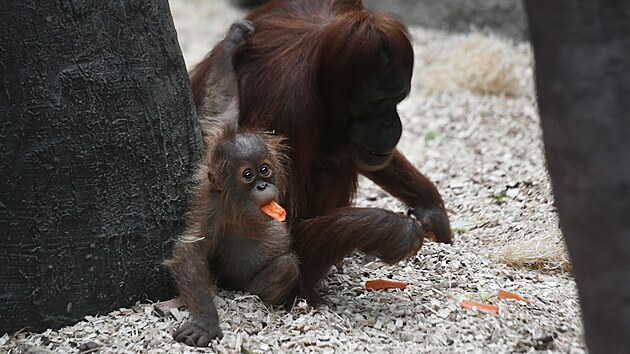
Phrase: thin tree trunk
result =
(98, 146)
(582, 52)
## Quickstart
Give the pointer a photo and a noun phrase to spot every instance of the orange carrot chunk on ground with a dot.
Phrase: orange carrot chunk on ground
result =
(508, 295)
(274, 210)
(384, 284)
(474, 305)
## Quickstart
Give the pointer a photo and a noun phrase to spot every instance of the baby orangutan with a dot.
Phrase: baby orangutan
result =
(229, 239)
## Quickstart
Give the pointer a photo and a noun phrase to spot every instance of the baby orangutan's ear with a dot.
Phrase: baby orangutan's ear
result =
(216, 187)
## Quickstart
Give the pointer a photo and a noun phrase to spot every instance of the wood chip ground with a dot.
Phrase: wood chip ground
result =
(484, 151)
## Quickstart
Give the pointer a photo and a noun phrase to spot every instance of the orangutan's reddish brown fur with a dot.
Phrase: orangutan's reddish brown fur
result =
(328, 75)
(229, 240)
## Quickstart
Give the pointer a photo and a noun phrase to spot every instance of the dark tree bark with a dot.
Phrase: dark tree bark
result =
(98, 144)
(582, 52)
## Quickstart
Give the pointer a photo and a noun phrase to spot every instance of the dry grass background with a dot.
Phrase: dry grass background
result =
(471, 125)
(481, 64)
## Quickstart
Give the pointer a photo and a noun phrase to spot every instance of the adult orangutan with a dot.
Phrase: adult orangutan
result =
(328, 75)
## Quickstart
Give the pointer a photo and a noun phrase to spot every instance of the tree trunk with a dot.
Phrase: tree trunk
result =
(582, 52)
(98, 146)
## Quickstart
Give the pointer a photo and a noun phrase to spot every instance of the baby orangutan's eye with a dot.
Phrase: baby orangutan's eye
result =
(265, 170)
(248, 175)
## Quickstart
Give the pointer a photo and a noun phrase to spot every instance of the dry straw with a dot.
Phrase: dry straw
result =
(540, 251)
(481, 64)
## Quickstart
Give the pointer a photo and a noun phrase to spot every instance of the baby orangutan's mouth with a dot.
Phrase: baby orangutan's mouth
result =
(274, 210)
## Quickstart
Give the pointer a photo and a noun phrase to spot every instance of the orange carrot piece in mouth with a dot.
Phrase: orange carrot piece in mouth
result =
(274, 210)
